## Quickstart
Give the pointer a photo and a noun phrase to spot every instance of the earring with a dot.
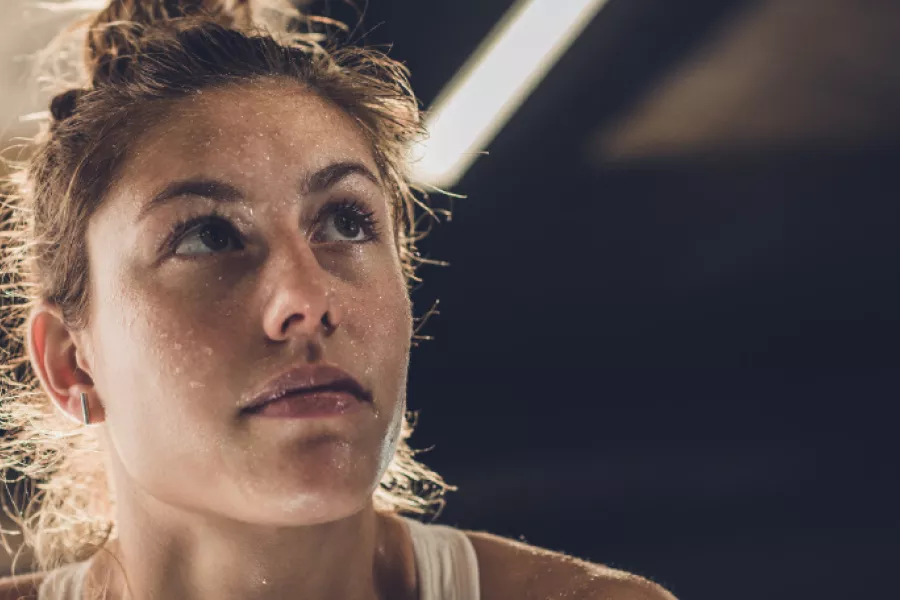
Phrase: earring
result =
(85, 413)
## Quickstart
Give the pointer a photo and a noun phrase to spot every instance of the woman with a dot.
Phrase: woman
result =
(212, 244)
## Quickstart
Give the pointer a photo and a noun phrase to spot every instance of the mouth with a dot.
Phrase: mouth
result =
(322, 402)
(309, 390)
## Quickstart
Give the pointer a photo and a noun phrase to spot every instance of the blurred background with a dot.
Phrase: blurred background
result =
(668, 334)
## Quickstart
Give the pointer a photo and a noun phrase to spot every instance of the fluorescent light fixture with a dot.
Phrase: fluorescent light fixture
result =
(494, 82)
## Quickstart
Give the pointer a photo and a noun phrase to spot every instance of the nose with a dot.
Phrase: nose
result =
(300, 303)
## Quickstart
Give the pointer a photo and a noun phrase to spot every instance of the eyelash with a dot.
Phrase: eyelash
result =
(365, 217)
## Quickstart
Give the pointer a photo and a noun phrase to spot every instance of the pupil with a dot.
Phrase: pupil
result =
(347, 226)
(214, 237)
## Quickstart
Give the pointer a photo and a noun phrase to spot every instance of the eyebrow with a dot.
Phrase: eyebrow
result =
(222, 192)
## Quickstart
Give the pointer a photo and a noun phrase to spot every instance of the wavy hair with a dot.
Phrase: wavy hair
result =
(136, 56)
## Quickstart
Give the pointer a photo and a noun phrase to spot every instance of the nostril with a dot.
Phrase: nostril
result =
(326, 322)
(304, 323)
(289, 320)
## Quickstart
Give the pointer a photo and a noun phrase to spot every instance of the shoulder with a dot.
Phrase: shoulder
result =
(510, 568)
(20, 587)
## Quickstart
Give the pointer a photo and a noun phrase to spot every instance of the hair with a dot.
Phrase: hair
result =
(139, 57)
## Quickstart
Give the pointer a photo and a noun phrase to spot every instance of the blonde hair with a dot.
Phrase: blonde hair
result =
(139, 55)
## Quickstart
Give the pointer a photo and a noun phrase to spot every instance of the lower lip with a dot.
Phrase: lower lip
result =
(310, 405)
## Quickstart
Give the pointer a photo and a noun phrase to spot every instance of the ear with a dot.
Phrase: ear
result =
(60, 365)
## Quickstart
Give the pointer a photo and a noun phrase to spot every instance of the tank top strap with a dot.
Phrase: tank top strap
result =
(446, 563)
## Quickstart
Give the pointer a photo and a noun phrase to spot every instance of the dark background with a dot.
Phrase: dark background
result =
(676, 357)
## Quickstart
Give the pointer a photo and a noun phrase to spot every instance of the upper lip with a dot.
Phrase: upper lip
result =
(307, 378)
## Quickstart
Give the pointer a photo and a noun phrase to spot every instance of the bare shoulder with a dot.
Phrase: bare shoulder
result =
(509, 568)
(20, 587)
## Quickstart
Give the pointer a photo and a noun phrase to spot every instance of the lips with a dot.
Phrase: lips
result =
(306, 379)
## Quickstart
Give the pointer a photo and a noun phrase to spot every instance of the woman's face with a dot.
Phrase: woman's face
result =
(187, 323)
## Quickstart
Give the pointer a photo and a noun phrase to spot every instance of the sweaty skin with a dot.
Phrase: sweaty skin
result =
(212, 503)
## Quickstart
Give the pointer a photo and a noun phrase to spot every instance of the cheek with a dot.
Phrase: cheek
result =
(144, 330)
(385, 332)
(158, 375)
(379, 324)
(376, 339)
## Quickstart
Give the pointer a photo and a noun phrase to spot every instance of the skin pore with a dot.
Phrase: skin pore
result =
(291, 263)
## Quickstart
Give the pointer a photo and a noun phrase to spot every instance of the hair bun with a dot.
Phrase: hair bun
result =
(63, 105)
(115, 33)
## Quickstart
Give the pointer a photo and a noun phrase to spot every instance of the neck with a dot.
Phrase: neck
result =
(166, 552)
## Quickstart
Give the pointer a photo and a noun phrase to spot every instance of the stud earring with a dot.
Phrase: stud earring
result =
(85, 413)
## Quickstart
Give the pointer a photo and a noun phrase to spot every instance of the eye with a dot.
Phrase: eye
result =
(206, 234)
(347, 221)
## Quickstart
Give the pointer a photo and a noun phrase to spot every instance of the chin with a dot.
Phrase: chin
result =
(302, 497)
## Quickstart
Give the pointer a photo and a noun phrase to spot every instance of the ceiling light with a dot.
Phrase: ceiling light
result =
(494, 82)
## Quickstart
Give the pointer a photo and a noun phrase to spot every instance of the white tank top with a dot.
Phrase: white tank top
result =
(446, 566)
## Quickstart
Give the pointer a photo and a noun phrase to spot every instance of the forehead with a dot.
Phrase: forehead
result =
(249, 135)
